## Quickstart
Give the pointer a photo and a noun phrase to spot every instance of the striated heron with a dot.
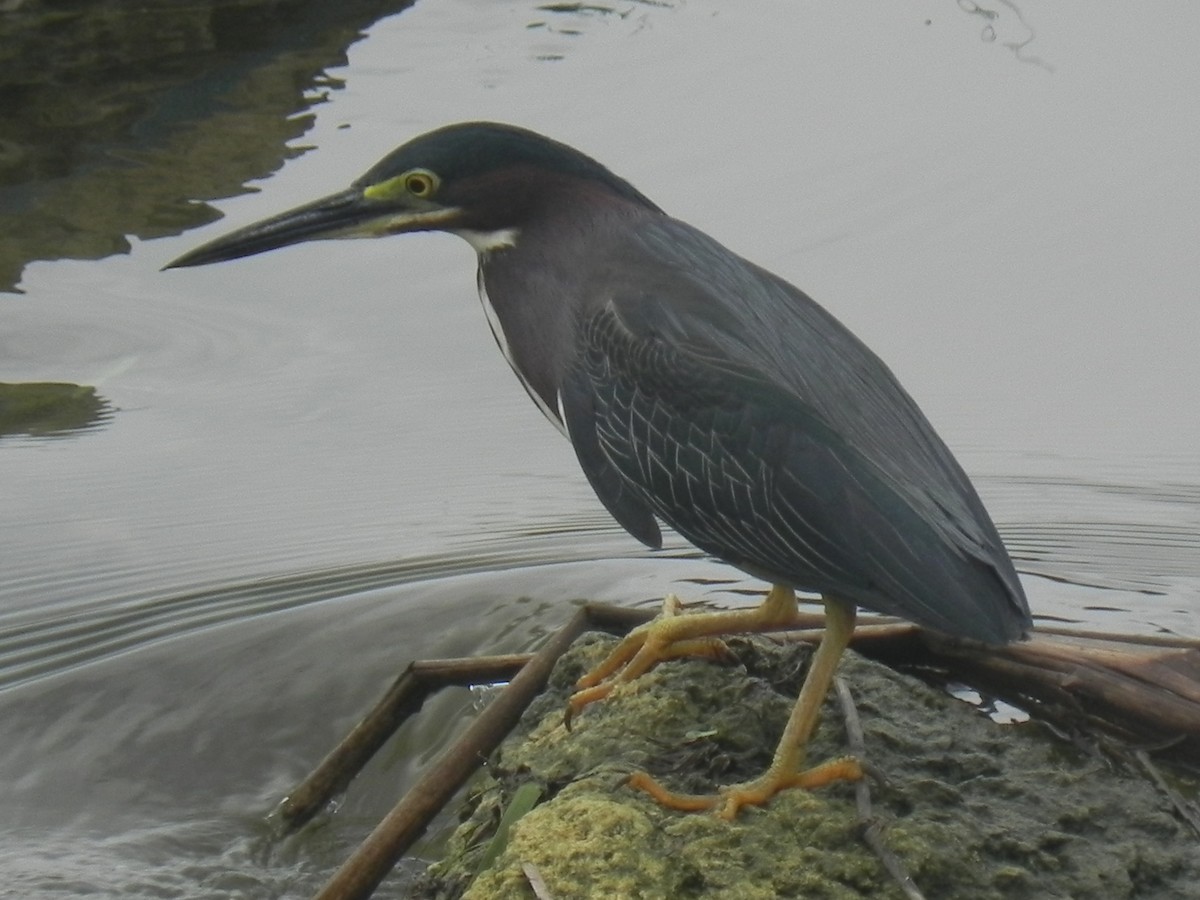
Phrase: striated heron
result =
(699, 390)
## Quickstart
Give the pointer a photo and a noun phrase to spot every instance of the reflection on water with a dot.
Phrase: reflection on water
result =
(315, 467)
(39, 409)
(116, 115)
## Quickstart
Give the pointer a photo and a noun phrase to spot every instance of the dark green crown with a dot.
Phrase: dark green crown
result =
(474, 148)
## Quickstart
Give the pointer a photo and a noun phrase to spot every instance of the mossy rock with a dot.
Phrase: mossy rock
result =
(973, 809)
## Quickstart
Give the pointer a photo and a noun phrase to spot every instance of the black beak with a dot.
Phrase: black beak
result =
(340, 215)
(348, 214)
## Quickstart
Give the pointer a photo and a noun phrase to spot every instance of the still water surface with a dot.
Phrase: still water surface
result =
(315, 465)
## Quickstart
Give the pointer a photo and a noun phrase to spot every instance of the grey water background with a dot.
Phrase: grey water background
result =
(312, 466)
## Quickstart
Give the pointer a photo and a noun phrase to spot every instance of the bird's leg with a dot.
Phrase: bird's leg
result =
(673, 635)
(785, 769)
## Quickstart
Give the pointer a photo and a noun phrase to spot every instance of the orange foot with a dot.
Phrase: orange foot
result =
(786, 769)
(732, 798)
(675, 634)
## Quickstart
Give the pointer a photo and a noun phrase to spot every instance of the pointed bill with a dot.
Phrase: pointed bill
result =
(352, 213)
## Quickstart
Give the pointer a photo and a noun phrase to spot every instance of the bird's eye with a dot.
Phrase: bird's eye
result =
(420, 183)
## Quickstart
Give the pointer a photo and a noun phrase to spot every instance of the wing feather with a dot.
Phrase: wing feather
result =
(671, 420)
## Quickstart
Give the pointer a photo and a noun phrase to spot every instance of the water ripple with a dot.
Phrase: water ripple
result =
(34, 644)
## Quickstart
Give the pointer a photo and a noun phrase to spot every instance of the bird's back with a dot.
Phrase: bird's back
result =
(821, 471)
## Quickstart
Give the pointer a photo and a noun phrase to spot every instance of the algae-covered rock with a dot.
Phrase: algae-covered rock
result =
(973, 809)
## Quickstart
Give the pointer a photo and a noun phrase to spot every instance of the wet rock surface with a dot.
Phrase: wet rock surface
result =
(971, 808)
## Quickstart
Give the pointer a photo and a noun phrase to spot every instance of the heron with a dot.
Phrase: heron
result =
(698, 391)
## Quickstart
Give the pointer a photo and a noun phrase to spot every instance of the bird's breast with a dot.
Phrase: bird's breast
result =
(553, 413)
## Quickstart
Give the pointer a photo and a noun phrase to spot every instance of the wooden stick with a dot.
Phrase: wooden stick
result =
(1146, 640)
(403, 699)
(369, 864)
(1153, 694)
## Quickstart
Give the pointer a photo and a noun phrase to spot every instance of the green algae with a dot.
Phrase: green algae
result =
(973, 809)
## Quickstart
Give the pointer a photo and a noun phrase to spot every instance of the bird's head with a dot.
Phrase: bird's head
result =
(481, 180)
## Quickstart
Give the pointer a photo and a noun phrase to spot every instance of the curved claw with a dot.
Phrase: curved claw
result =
(593, 687)
(673, 635)
(578, 700)
(632, 644)
(629, 647)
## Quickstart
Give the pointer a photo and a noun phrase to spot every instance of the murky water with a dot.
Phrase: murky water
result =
(313, 465)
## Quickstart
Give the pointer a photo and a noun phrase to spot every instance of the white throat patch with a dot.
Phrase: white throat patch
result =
(487, 241)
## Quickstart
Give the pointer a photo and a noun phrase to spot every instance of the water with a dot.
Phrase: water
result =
(315, 466)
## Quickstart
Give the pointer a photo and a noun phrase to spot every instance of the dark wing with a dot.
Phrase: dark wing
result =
(689, 411)
(580, 404)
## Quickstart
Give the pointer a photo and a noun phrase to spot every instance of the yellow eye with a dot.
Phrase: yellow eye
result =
(420, 183)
